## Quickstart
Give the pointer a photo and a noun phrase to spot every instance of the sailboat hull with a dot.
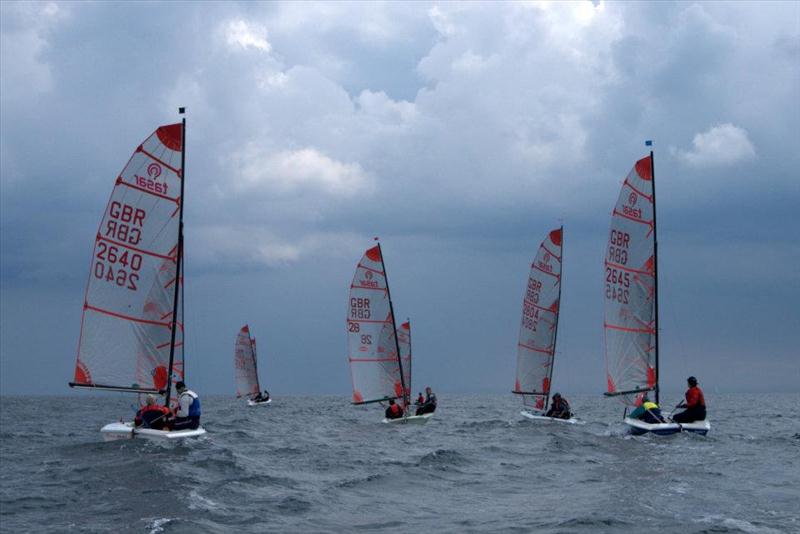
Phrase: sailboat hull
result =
(638, 428)
(542, 418)
(121, 430)
(410, 420)
(251, 402)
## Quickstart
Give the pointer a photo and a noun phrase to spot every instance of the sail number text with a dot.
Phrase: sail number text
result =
(618, 247)
(117, 264)
(359, 308)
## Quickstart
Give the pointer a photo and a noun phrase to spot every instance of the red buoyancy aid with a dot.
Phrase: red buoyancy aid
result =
(396, 410)
(694, 397)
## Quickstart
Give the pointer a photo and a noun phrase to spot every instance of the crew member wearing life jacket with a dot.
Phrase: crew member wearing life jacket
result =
(648, 411)
(151, 415)
(695, 404)
(187, 416)
(394, 411)
(420, 399)
(559, 408)
(261, 397)
(430, 402)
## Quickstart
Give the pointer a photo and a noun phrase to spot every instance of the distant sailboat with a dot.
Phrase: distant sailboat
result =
(245, 362)
(375, 350)
(538, 330)
(631, 299)
(132, 334)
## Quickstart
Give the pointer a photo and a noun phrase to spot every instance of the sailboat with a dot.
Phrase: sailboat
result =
(246, 364)
(379, 367)
(132, 331)
(631, 300)
(538, 330)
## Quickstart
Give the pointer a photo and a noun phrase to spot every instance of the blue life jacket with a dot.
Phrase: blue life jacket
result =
(194, 407)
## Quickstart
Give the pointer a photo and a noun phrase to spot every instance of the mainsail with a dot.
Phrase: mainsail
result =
(539, 325)
(630, 288)
(244, 361)
(130, 300)
(371, 333)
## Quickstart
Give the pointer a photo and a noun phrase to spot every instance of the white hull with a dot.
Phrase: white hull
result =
(251, 402)
(409, 420)
(120, 430)
(543, 418)
(665, 429)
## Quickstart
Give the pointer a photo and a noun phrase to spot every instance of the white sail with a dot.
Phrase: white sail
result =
(539, 324)
(372, 352)
(404, 340)
(245, 364)
(630, 300)
(127, 310)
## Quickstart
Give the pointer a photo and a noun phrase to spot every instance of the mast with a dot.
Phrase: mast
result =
(655, 261)
(178, 262)
(558, 316)
(394, 327)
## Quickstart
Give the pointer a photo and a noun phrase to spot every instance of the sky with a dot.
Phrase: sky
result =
(460, 133)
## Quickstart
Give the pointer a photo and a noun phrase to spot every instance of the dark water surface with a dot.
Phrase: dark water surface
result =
(308, 464)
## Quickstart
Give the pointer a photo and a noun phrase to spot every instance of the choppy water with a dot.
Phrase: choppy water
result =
(320, 465)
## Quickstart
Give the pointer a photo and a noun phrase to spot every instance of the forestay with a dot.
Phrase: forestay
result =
(539, 325)
(128, 304)
(372, 353)
(630, 333)
(245, 363)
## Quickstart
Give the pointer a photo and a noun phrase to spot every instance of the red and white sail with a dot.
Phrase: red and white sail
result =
(245, 364)
(630, 300)
(404, 339)
(372, 348)
(537, 332)
(128, 305)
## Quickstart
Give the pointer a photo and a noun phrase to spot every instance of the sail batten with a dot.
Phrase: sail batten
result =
(372, 347)
(127, 319)
(630, 288)
(539, 323)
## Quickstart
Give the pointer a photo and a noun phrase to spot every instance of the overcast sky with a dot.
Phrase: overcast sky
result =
(460, 133)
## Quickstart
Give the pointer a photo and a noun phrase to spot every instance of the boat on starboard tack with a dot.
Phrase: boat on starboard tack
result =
(375, 350)
(631, 301)
(245, 362)
(538, 332)
(132, 327)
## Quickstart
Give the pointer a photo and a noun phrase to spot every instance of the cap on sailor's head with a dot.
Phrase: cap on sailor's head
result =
(180, 385)
(692, 380)
(557, 396)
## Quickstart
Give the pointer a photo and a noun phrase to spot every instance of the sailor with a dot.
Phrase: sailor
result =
(647, 411)
(265, 396)
(420, 399)
(429, 406)
(393, 411)
(559, 408)
(261, 397)
(151, 415)
(187, 416)
(695, 405)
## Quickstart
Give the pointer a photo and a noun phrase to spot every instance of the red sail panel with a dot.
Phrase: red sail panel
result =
(372, 350)
(245, 364)
(127, 312)
(630, 287)
(537, 333)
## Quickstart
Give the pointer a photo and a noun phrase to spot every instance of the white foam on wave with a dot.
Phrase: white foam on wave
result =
(741, 524)
(157, 525)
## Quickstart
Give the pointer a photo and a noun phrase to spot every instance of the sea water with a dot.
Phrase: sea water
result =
(318, 464)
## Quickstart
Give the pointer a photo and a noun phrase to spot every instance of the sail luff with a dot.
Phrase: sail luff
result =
(178, 271)
(558, 316)
(655, 267)
(394, 327)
